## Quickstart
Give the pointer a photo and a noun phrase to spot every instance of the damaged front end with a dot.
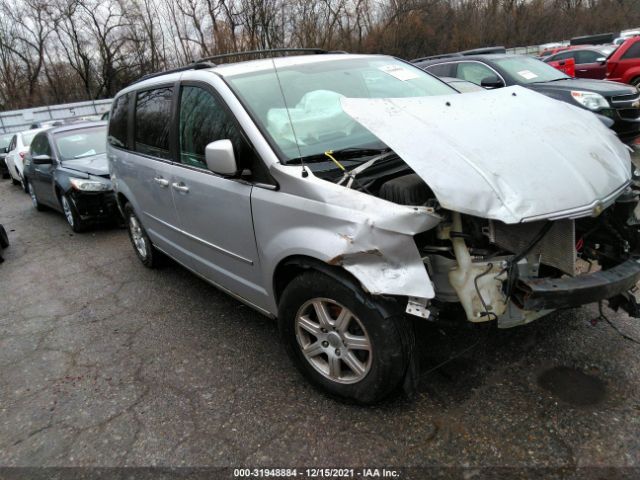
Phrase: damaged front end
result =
(517, 273)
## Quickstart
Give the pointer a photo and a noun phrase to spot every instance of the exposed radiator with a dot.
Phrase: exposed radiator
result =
(557, 248)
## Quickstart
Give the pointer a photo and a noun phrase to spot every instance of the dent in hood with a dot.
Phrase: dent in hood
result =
(510, 154)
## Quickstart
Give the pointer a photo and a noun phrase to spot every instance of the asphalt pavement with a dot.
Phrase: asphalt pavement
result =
(106, 363)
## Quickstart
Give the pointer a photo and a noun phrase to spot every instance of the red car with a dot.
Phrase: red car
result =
(624, 64)
(589, 62)
(567, 66)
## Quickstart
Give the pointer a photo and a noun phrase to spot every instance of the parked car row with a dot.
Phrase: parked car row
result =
(65, 168)
(617, 103)
(350, 196)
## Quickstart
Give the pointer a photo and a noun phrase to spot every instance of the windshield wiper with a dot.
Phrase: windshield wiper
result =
(344, 154)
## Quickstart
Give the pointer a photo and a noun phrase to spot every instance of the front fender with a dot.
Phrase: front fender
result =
(630, 74)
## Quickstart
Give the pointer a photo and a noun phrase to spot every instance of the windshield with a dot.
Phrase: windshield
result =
(5, 140)
(309, 120)
(87, 142)
(525, 70)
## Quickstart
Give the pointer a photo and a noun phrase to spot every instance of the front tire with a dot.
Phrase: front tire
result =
(146, 252)
(347, 343)
(71, 214)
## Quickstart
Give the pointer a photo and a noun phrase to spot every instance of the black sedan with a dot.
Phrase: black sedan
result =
(616, 101)
(67, 170)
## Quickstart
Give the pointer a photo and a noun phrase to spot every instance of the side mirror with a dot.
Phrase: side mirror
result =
(5, 150)
(491, 81)
(42, 160)
(601, 60)
(220, 158)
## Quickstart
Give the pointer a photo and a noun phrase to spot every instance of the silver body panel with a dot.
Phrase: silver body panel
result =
(236, 235)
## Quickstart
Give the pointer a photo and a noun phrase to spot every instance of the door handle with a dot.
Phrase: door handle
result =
(163, 182)
(181, 187)
(585, 70)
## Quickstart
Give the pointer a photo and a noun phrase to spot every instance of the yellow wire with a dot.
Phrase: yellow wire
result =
(329, 153)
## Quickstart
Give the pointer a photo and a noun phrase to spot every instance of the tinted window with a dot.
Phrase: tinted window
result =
(204, 119)
(588, 56)
(118, 123)
(473, 72)
(442, 70)
(153, 122)
(40, 145)
(562, 56)
(632, 52)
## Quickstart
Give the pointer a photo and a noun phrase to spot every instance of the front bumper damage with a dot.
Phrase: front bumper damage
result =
(554, 293)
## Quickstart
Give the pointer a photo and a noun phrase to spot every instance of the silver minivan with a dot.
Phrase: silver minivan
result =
(350, 196)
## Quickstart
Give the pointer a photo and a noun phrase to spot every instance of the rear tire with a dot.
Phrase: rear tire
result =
(342, 340)
(34, 199)
(4, 239)
(146, 252)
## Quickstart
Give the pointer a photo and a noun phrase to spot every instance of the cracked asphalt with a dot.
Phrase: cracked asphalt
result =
(106, 363)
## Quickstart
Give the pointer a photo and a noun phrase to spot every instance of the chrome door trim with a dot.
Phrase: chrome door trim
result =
(204, 242)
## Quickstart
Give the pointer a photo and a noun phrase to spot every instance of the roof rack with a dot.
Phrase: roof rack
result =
(464, 53)
(192, 66)
(317, 51)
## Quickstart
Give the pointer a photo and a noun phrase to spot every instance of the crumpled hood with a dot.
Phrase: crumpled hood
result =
(93, 165)
(509, 154)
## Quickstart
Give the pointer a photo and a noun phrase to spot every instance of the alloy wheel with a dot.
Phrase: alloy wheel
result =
(32, 194)
(137, 237)
(333, 340)
(67, 210)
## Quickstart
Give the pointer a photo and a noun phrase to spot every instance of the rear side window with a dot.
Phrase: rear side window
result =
(442, 70)
(588, 56)
(118, 123)
(153, 122)
(632, 52)
(473, 72)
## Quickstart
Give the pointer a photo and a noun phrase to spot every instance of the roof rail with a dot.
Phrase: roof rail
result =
(192, 66)
(463, 53)
(317, 51)
(436, 57)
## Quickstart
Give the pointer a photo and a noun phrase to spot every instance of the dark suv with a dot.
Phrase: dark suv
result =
(618, 102)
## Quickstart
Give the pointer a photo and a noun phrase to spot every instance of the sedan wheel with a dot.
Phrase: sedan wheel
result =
(72, 215)
(34, 198)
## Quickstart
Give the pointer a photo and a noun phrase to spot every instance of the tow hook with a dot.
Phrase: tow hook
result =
(627, 301)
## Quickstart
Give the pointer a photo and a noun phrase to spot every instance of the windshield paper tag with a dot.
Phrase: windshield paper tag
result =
(399, 72)
(527, 75)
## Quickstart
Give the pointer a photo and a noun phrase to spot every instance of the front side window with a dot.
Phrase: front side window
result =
(202, 121)
(40, 146)
(153, 122)
(632, 52)
(298, 103)
(474, 72)
(86, 142)
(118, 125)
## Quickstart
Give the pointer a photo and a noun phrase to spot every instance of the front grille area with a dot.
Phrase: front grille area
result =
(625, 98)
(629, 113)
(557, 248)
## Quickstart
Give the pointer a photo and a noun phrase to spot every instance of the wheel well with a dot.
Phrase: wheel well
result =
(291, 267)
(122, 200)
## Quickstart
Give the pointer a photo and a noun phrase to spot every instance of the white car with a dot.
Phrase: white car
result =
(18, 148)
